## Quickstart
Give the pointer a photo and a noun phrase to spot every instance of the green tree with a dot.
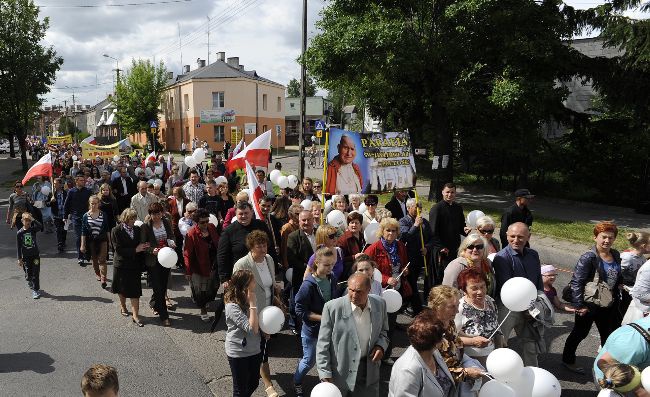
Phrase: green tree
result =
(138, 96)
(450, 71)
(27, 68)
(293, 88)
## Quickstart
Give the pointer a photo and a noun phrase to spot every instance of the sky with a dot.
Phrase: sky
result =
(264, 34)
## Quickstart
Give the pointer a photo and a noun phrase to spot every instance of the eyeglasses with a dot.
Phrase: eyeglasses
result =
(317, 186)
(487, 231)
(477, 246)
(371, 204)
(331, 236)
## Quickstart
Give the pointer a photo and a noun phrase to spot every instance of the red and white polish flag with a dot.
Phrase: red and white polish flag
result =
(150, 157)
(240, 146)
(255, 192)
(256, 153)
(43, 167)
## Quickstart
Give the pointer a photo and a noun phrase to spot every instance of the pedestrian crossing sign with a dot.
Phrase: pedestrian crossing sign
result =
(319, 125)
(153, 124)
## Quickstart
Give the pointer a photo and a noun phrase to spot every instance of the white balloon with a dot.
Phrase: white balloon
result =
(608, 393)
(306, 204)
(283, 182)
(645, 378)
(214, 220)
(220, 179)
(138, 223)
(288, 274)
(328, 206)
(473, 216)
(494, 388)
(370, 233)
(492, 256)
(325, 389)
(274, 175)
(293, 181)
(158, 182)
(336, 218)
(45, 190)
(362, 208)
(518, 293)
(545, 384)
(116, 158)
(504, 364)
(271, 320)
(198, 155)
(167, 257)
(158, 170)
(393, 300)
(376, 275)
(190, 161)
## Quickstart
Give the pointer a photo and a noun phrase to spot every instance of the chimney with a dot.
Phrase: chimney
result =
(221, 56)
(241, 67)
(234, 62)
(200, 63)
(186, 68)
(170, 75)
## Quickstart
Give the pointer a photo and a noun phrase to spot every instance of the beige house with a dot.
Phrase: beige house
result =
(221, 102)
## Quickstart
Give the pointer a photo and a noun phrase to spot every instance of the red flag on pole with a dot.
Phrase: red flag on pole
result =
(256, 153)
(255, 192)
(43, 167)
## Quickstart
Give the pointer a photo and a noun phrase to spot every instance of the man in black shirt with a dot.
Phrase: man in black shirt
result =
(76, 205)
(211, 201)
(447, 224)
(519, 212)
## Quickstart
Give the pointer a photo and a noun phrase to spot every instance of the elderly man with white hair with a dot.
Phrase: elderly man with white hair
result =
(140, 202)
(412, 226)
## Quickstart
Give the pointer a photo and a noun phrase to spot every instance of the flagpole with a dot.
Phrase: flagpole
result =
(327, 140)
(417, 206)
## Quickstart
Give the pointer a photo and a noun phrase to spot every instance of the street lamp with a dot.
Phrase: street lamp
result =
(117, 80)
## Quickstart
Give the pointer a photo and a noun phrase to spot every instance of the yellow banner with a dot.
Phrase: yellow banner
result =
(57, 140)
(105, 152)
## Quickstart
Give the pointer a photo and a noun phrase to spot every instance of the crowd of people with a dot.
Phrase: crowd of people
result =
(329, 279)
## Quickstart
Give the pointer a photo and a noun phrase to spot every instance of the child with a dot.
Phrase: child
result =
(549, 273)
(364, 264)
(28, 253)
(620, 380)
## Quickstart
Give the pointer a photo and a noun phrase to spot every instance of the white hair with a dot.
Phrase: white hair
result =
(484, 221)
(411, 202)
(191, 206)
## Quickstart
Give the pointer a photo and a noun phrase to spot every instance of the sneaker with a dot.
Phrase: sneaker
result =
(35, 295)
(297, 389)
(388, 361)
(81, 263)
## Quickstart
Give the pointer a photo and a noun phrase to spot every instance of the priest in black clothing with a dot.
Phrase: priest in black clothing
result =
(519, 212)
(447, 224)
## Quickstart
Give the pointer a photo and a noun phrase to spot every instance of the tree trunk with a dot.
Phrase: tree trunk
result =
(442, 150)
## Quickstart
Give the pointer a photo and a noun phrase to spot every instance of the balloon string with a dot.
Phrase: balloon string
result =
(502, 321)
(405, 267)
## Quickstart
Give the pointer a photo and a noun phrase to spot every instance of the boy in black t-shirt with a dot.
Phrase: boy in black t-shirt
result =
(28, 253)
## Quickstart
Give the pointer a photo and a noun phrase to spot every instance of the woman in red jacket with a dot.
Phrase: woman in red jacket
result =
(200, 253)
(392, 258)
(351, 243)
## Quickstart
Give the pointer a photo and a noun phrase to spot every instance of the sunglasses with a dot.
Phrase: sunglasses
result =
(317, 186)
(371, 204)
(331, 236)
(477, 246)
(488, 231)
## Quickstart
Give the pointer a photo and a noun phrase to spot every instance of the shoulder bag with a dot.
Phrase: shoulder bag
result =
(597, 292)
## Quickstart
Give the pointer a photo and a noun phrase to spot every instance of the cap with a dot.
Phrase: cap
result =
(546, 269)
(523, 193)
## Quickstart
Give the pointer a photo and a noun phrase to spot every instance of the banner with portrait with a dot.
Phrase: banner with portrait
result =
(368, 163)
(58, 140)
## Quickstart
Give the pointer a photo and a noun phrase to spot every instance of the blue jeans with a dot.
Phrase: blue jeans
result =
(76, 221)
(308, 358)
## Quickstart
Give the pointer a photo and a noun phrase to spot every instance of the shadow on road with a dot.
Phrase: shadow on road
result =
(27, 361)
(76, 298)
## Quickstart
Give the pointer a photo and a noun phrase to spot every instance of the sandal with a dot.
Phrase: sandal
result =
(270, 392)
(124, 312)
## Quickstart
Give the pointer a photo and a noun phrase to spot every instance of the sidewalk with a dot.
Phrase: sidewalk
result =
(8, 166)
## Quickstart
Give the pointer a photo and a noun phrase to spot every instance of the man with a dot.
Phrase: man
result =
(397, 204)
(307, 189)
(352, 339)
(193, 189)
(266, 186)
(123, 189)
(57, 203)
(344, 176)
(626, 345)
(272, 223)
(100, 381)
(447, 225)
(183, 148)
(411, 227)
(517, 260)
(519, 212)
(226, 149)
(301, 245)
(76, 205)
(140, 202)
(287, 229)
(211, 201)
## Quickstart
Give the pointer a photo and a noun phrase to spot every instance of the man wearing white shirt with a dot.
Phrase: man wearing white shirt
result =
(140, 202)
(266, 186)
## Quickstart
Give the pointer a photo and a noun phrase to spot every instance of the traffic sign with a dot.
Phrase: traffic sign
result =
(153, 124)
(319, 125)
(153, 130)
(319, 133)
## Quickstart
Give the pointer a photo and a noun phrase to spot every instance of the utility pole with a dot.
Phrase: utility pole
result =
(74, 108)
(65, 115)
(303, 95)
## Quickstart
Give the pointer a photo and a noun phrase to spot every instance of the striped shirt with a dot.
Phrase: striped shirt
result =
(95, 224)
(161, 235)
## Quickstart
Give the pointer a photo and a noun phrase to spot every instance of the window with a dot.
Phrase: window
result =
(217, 100)
(171, 103)
(264, 100)
(279, 104)
(292, 105)
(186, 98)
(219, 133)
(265, 128)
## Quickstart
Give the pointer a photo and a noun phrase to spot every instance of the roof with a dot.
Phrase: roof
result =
(219, 70)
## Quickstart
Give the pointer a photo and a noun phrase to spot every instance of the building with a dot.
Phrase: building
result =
(317, 108)
(220, 102)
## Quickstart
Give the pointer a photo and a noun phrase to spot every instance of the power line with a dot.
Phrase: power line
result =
(80, 86)
(146, 3)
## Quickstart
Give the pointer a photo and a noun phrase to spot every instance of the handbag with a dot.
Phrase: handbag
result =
(597, 292)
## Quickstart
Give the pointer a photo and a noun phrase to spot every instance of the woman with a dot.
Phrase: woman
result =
(444, 301)
(392, 258)
(326, 237)
(621, 380)
(471, 253)
(421, 371)
(127, 263)
(176, 207)
(158, 233)
(225, 201)
(355, 202)
(280, 209)
(477, 317)
(243, 334)
(485, 226)
(605, 261)
(94, 238)
(340, 203)
(261, 265)
(200, 253)
(370, 214)
(306, 187)
(108, 205)
(351, 242)
(631, 261)
(318, 288)
(175, 179)
(365, 265)
(19, 202)
(97, 178)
